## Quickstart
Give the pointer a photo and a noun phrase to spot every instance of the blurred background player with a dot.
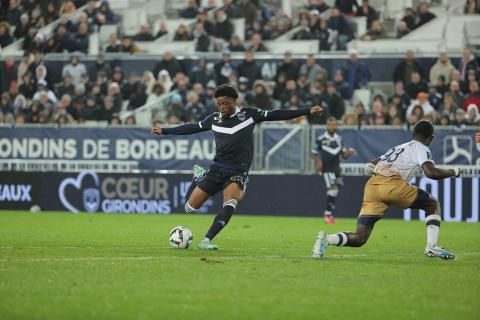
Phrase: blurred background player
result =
(233, 131)
(389, 185)
(326, 153)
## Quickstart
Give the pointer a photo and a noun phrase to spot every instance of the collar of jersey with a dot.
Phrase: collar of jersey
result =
(237, 110)
(330, 137)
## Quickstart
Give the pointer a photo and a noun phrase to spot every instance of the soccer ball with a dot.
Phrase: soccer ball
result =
(180, 237)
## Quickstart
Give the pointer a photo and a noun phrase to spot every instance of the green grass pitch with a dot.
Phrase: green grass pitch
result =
(104, 266)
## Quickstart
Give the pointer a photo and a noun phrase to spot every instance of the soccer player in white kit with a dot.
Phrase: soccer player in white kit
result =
(389, 186)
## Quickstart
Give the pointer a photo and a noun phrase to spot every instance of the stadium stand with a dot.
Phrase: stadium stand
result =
(371, 62)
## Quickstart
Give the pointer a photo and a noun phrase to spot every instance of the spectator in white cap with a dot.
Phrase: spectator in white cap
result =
(39, 42)
(473, 116)
(43, 89)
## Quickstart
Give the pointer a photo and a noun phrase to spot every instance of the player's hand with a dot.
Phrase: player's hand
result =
(386, 170)
(477, 137)
(158, 131)
(352, 151)
(317, 110)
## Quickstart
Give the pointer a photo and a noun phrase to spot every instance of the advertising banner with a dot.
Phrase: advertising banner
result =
(146, 152)
(129, 145)
(448, 146)
(277, 195)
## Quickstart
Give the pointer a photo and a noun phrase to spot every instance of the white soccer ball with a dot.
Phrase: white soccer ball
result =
(180, 237)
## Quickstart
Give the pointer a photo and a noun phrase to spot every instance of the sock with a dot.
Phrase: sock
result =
(337, 239)
(221, 219)
(330, 204)
(189, 208)
(433, 228)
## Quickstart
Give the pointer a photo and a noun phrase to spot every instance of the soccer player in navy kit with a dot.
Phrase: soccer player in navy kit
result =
(326, 153)
(233, 130)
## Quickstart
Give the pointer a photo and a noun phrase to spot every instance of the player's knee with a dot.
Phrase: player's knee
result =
(189, 208)
(333, 192)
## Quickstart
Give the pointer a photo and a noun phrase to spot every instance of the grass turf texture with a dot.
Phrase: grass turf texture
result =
(84, 266)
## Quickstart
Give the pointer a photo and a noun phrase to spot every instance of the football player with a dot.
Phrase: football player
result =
(326, 153)
(233, 131)
(389, 186)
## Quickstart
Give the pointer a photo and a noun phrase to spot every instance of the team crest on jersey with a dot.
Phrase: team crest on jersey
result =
(241, 116)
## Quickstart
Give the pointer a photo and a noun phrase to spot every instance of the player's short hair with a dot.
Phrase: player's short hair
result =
(332, 119)
(423, 129)
(225, 90)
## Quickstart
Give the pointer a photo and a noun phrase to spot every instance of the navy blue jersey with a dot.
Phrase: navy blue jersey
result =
(234, 136)
(328, 149)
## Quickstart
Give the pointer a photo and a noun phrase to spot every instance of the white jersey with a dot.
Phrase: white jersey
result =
(408, 158)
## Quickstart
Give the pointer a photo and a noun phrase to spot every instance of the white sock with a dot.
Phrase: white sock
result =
(337, 239)
(433, 228)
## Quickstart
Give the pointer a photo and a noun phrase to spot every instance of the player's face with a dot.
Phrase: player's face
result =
(226, 106)
(331, 127)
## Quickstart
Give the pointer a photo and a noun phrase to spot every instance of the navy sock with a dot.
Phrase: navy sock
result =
(330, 204)
(221, 219)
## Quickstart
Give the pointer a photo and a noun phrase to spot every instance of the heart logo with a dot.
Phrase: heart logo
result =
(77, 183)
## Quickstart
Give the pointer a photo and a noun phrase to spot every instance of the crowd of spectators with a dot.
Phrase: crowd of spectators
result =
(445, 94)
(71, 34)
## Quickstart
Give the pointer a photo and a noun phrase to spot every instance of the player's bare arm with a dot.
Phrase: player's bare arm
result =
(435, 173)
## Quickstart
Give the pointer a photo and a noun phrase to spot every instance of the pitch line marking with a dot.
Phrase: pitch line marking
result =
(274, 257)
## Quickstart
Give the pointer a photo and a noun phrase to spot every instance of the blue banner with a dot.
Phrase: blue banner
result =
(277, 195)
(136, 146)
(448, 146)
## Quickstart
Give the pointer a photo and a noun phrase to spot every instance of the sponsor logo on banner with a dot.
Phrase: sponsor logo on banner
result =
(15, 192)
(457, 148)
(453, 198)
(127, 193)
(115, 194)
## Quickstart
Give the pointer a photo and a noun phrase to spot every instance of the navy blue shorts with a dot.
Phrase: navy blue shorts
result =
(217, 179)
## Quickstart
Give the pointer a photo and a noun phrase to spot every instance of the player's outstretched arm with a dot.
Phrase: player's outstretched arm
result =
(277, 115)
(435, 173)
(189, 128)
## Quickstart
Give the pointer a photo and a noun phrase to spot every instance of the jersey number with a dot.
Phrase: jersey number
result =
(392, 155)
